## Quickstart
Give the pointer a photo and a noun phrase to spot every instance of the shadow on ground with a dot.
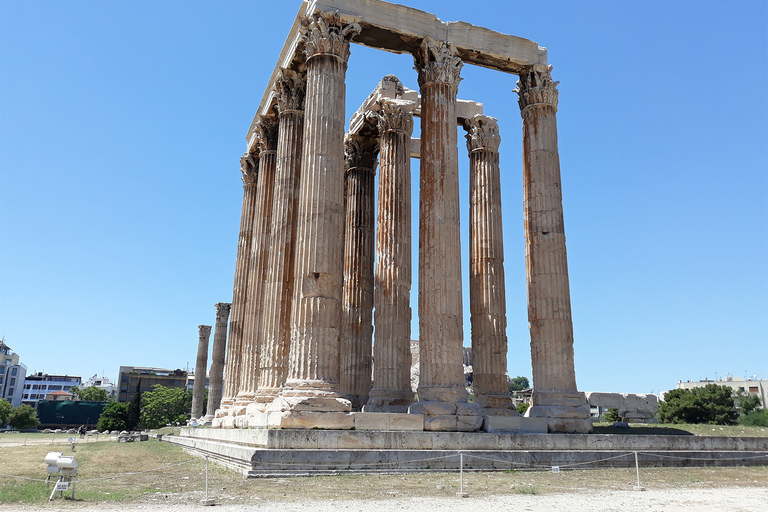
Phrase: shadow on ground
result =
(642, 431)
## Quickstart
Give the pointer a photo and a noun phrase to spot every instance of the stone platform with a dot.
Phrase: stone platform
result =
(262, 452)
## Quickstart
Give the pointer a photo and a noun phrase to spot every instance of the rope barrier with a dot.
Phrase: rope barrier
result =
(23, 478)
(138, 472)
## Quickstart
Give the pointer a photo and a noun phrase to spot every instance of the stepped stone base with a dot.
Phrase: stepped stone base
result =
(565, 412)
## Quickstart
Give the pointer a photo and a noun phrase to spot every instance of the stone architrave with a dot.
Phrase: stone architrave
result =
(440, 303)
(357, 296)
(313, 376)
(487, 296)
(216, 373)
(278, 291)
(555, 395)
(392, 296)
(249, 169)
(260, 245)
(201, 365)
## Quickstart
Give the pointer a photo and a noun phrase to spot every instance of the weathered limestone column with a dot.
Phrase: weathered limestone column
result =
(201, 366)
(487, 296)
(313, 377)
(278, 292)
(216, 374)
(555, 395)
(392, 296)
(249, 168)
(441, 333)
(249, 373)
(357, 296)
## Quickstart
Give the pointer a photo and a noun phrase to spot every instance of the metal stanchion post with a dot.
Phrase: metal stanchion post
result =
(461, 492)
(638, 487)
(207, 501)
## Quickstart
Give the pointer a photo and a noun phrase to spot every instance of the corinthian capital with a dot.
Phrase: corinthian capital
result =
(204, 330)
(536, 87)
(436, 62)
(482, 133)
(222, 309)
(393, 117)
(326, 34)
(290, 87)
(249, 166)
(360, 152)
(266, 133)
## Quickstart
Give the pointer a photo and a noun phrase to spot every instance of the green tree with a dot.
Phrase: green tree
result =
(519, 383)
(113, 417)
(611, 415)
(23, 417)
(748, 402)
(165, 405)
(711, 404)
(521, 408)
(134, 409)
(89, 394)
(5, 411)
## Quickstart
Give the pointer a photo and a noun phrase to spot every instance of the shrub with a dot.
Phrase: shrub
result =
(755, 418)
(521, 408)
(711, 404)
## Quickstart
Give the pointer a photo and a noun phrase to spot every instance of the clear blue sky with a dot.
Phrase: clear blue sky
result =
(122, 123)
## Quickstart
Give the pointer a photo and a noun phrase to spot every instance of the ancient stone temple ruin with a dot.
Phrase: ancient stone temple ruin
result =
(320, 320)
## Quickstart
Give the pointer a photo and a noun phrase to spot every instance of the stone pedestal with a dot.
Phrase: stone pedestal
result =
(260, 247)
(249, 168)
(392, 378)
(357, 299)
(201, 365)
(316, 311)
(278, 291)
(487, 297)
(216, 374)
(441, 333)
(555, 395)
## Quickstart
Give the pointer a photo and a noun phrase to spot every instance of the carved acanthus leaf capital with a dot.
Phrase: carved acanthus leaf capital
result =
(482, 133)
(360, 152)
(266, 133)
(325, 34)
(392, 116)
(436, 61)
(249, 166)
(536, 87)
(222, 309)
(204, 330)
(290, 87)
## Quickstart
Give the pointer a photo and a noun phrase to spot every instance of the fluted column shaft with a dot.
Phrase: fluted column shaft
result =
(216, 375)
(555, 395)
(278, 293)
(316, 312)
(487, 296)
(249, 376)
(441, 334)
(201, 365)
(249, 167)
(357, 295)
(549, 298)
(392, 296)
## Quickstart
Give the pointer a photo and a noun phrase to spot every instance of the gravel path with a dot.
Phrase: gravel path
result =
(732, 499)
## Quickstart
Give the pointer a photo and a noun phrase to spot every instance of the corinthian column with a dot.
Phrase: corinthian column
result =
(198, 389)
(487, 297)
(392, 296)
(555, 395)
(357, 296)
(249, 168)
(267, 136)
(316, 313)
(216, 375)
(278, 292)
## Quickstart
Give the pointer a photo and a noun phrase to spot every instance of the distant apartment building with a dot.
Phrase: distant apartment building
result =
(130, 375)
(751, 385)
(191, 381)
(39, 385)
(12, 374)
(102, 383)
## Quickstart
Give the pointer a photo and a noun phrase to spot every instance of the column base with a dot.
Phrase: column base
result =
(497, 405)
(566, 412)
(449, 416)
(388, 400)
(243, 399)
(357, 401)
(443, 394)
